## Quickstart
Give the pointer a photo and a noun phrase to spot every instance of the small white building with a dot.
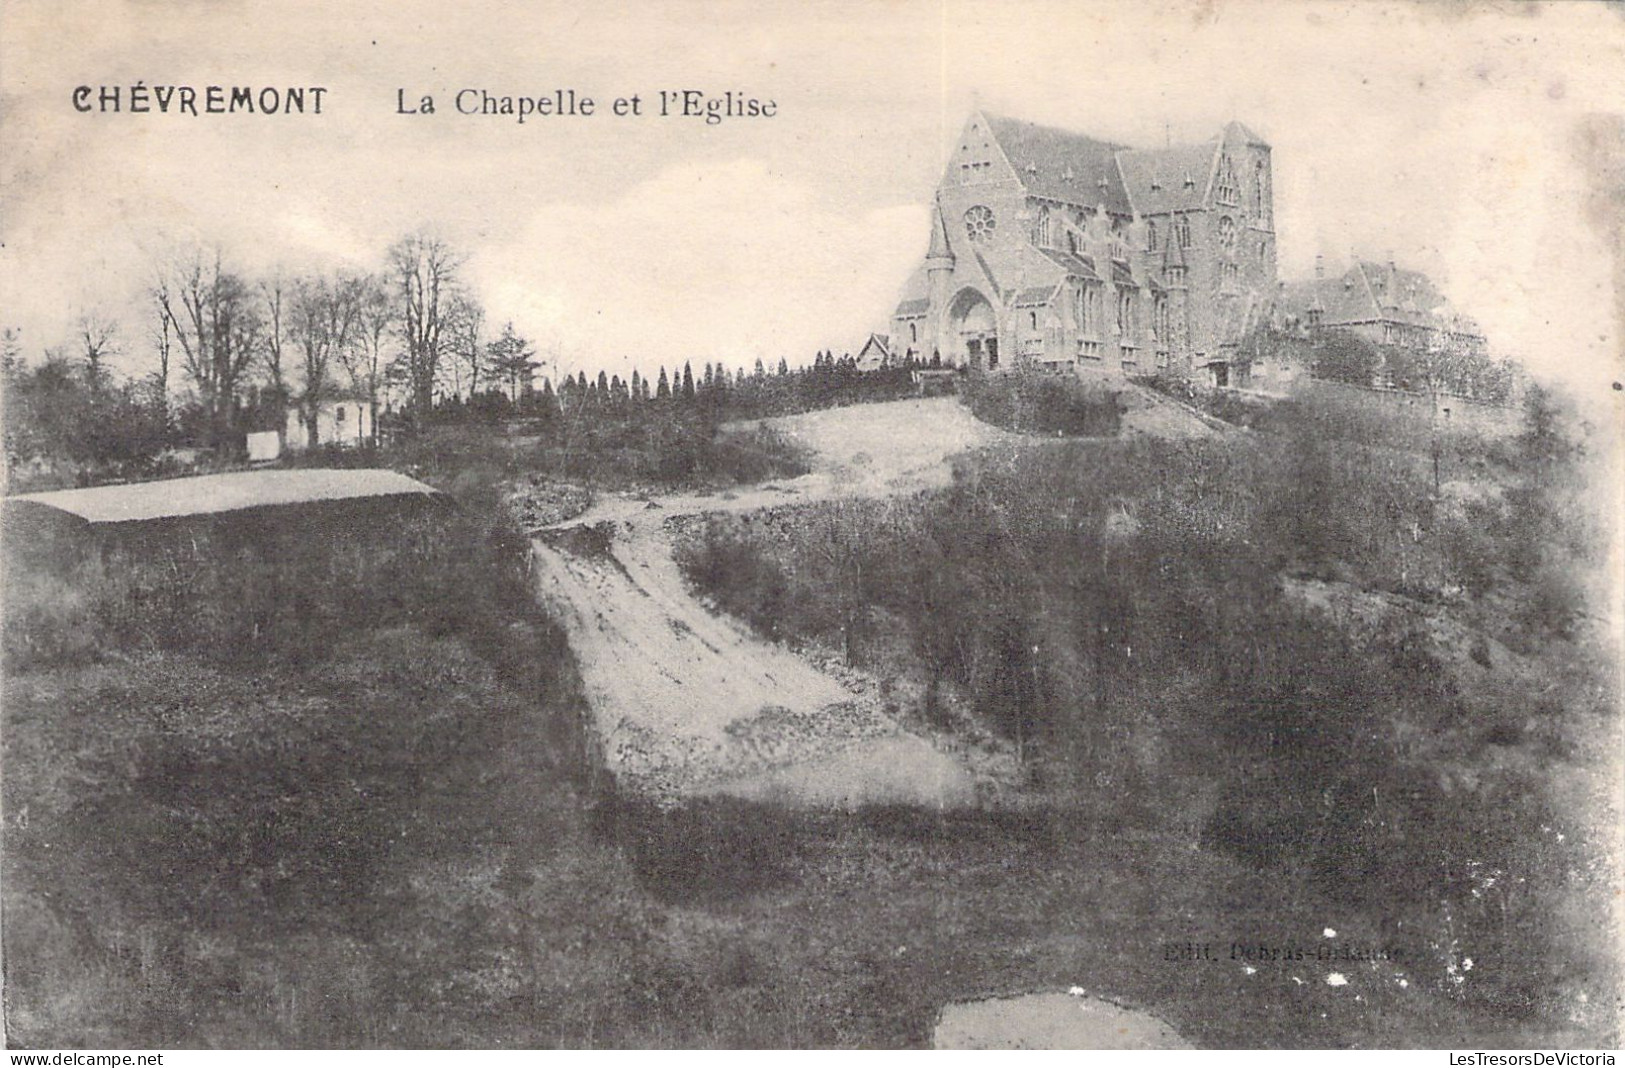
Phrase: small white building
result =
(342, 421)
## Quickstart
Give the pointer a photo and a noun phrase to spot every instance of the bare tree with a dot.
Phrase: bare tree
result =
(323, 316)
(98, 339)
(364, 356)
(465, 327)
(425, 270)
(219, 330)
(274, 294)
(163, 336)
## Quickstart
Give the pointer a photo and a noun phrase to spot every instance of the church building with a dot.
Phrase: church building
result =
(1054, 250)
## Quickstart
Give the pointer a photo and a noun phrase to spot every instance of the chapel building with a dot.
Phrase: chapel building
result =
(1058, 251)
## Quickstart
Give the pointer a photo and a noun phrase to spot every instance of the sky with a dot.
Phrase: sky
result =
(1471, 140)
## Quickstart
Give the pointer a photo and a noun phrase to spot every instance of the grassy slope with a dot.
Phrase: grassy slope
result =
(1450, 792)
(389, 839)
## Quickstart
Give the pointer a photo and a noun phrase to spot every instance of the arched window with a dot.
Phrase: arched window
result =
(1260, 193)
(1182, 231)
(1089, 310)
(1118, 246)
(913, 333)
(1150, 236)
(1227, 232)
(1227, 190)
(1127, 315)
(1043, 235)
(1033, 319)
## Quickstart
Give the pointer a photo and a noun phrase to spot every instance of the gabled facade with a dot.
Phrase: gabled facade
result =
(1056, 250)
(875, 354)
(1384, 304)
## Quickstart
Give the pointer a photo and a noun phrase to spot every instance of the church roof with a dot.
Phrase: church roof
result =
(1060, 165)
(1155, 179)
(1034, 297)
(1077, 266)
(911, 308)
(1240, 131)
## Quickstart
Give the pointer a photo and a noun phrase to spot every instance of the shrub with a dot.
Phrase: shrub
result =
(1045, 404)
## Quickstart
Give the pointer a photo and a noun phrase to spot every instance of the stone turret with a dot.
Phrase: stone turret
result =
(1179, 323)
(939, 271)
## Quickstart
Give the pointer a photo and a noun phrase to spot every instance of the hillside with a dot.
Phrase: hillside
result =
(1286, 651)
(1263, 693)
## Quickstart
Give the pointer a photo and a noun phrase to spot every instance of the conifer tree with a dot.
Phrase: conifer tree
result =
(663, 390)
(688, 381)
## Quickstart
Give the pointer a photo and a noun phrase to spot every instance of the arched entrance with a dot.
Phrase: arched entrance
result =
(973, 332)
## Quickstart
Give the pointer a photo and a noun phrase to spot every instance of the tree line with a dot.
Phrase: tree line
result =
(231, 352)
(228, 352)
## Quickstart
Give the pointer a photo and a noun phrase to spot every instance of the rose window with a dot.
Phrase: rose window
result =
(979, 223)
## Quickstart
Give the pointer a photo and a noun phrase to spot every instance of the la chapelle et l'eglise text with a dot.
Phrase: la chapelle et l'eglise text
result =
(141, 98)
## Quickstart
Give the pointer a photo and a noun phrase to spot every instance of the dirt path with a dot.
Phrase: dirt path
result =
(687, 701)
(690, 702)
